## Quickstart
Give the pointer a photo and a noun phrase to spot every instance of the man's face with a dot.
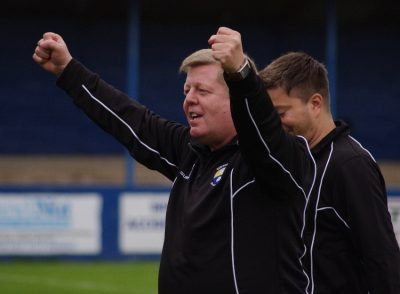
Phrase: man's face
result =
(207, 106)
(296, 114)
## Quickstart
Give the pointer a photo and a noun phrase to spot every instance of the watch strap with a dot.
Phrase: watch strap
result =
(241, 74)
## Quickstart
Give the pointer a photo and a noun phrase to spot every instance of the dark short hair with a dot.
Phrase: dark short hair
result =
(297, 71)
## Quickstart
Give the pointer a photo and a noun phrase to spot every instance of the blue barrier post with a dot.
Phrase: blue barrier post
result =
(132, 74)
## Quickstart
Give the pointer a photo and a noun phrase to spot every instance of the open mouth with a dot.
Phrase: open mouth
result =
(194, 115)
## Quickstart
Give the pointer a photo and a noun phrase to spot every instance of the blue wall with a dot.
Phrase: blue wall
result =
(369, 88)
(37, 117)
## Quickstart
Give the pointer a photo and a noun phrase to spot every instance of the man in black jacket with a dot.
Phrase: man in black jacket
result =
(236, 209)
(351, 246)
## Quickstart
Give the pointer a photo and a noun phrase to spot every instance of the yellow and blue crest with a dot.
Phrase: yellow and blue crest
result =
(218, 174)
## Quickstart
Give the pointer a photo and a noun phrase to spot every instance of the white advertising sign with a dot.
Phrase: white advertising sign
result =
(50, 223)
(142, 222)
(394, 209)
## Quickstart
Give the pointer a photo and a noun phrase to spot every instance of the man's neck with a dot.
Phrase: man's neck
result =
(324, 127)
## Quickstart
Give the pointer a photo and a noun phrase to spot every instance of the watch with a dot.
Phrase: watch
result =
(241, 74)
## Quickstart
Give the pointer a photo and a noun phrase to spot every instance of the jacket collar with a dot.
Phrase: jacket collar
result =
(341, 129)
(203, 150)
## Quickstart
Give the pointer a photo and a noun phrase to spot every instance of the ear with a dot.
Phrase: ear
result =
(316, 103)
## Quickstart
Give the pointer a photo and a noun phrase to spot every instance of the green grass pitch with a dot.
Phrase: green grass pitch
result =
(59, 277)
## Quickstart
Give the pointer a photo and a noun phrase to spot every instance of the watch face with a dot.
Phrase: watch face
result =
(241, 74)
(245, 70)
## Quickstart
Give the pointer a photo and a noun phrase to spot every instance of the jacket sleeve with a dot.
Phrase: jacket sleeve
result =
(274, 156)
(155, 142)
(363, 190)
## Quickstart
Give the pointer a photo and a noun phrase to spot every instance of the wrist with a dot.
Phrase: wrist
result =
(241, 73)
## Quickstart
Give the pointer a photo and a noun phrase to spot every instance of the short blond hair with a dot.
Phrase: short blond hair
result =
(205, 57)
(200, 57)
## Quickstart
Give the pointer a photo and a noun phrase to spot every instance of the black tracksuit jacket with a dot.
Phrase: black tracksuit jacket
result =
(352, 248)
(235, 215)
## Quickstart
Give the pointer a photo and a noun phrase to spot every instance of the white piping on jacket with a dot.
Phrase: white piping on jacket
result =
(306, 196)
(337, 214)
(232, 228)
(129, 127)
(276, 160)
(315, 219)
(362, 147)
